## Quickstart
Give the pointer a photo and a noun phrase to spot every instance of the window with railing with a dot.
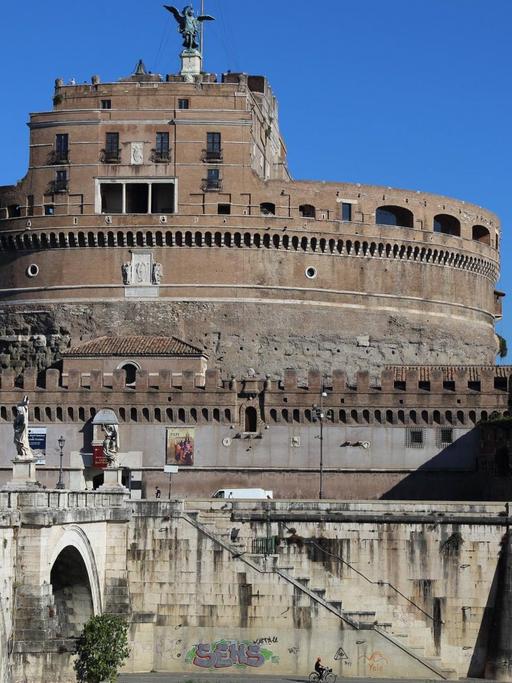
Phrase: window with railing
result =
(212, 181)
(161, 151)
(213, 150)
(111, 153)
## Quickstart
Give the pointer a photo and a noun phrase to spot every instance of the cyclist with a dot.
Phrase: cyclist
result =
(319, 668)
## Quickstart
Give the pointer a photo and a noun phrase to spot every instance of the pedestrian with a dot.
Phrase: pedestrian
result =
(158, 493)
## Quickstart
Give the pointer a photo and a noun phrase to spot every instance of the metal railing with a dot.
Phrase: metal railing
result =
(212, 155)
(110, 156)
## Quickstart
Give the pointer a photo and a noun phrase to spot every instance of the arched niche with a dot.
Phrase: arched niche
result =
(394, 215)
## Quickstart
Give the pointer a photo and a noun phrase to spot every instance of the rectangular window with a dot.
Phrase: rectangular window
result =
(346, 211)
(123, 196)
(213, 146)
(474, 385)
(61, 147)
(500, 383)
(213, 179)
(106, 104)
(137, 196)
(61, 181)
(162, 147)
(400, 386)
(424, 385)
(49, 209)
(30, 205)
(445, 436)
(183, 104)
(224, 209)
(111, 147)
(449, 385)
(162, 198)
(414, 438)
(111, 198)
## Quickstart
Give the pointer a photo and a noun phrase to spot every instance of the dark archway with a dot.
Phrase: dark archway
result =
(251, 419)
(71, 593)
(307, 211)
(481, 234)
(448, 225)
(394, 215)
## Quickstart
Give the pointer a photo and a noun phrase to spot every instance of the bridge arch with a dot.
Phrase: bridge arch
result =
(74, 578)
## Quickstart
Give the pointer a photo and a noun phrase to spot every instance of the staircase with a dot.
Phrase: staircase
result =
(217, 526)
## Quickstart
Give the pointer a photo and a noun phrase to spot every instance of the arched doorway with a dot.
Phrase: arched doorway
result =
(251, 419)
(72, 593)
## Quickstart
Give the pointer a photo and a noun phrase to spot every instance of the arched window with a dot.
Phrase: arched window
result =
(448, 225)
(267, 209)
(481, 234)
(130, 373)
(394, 215)
(307, 211)
(251, 419)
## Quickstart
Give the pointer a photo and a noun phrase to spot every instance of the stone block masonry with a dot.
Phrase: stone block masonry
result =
(382, 589)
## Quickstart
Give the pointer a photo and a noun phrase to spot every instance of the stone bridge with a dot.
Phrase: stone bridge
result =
(378, 589)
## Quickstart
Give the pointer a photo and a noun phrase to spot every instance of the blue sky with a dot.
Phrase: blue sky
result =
(406, 93)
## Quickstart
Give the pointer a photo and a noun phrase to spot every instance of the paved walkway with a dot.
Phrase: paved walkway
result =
(244, 678)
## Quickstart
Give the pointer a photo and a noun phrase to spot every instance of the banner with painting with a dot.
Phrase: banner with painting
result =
(180, 446)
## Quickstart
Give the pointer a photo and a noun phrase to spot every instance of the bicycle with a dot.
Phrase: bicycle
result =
(328, 676)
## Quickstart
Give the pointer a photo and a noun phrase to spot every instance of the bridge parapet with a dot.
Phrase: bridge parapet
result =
(62, 500)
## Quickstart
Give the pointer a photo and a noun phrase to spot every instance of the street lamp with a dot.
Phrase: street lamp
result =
(319, 415)
(61, 441)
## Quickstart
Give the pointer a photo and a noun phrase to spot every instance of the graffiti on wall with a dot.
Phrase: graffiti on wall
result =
(376, 661)
(222, 654)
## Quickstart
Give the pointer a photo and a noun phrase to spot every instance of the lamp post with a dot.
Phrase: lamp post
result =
(319, 414)
(61, 441)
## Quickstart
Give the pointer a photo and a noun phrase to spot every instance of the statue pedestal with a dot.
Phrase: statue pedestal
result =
(112, 480)
(23, 476)
(191, 64)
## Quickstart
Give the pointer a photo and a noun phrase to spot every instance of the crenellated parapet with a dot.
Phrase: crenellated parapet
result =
(427, 395)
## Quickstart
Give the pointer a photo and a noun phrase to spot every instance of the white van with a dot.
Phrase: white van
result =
(247, 494)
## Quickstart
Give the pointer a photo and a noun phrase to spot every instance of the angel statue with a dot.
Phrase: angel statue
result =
(111, 444)
(188, 24)
(21, 430)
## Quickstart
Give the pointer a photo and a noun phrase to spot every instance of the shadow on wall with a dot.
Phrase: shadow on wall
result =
(483, 649)
(450, 475)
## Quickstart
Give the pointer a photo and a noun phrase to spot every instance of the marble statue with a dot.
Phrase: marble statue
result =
(111, 444)
(157, 273)
(188, 25)
(21, 430)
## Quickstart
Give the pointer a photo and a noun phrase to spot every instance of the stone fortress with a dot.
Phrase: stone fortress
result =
(163, 207)
(169, 296)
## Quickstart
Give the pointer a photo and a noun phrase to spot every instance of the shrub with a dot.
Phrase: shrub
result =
(101, 648)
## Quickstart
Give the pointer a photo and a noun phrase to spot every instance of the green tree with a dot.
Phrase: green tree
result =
(101, 648)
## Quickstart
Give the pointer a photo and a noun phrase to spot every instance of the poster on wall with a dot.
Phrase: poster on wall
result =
(180, 446)
(37, 442)
(98, 457)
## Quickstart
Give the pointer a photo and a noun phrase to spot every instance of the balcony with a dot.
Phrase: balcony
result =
(211, 185)
(212, 156)
(58, 156)
(160, 156)
(110, 156)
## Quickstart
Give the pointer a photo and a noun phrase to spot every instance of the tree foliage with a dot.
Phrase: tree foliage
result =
(101, 648)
